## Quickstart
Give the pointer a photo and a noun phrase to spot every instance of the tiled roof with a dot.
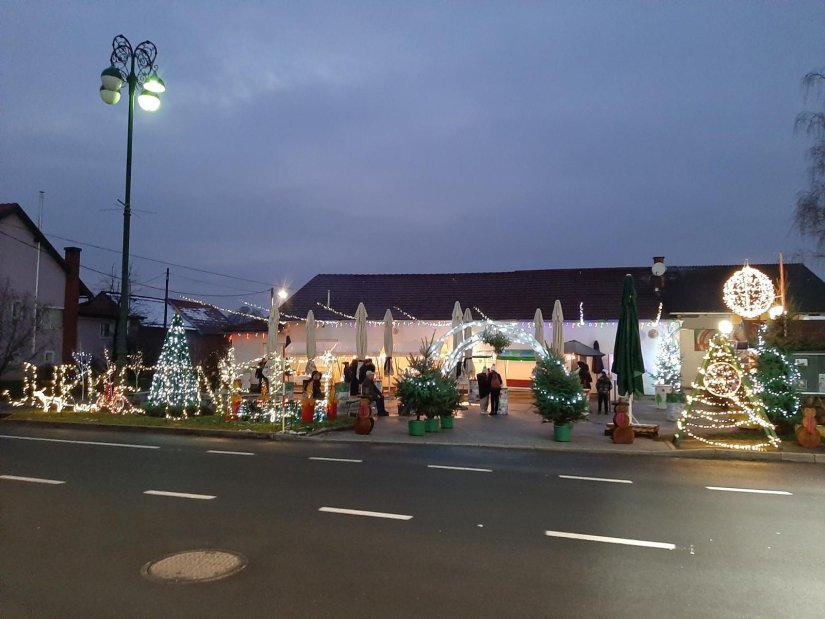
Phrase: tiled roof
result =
(515, 295)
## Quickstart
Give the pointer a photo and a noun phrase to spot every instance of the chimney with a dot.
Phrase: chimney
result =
(71, 299)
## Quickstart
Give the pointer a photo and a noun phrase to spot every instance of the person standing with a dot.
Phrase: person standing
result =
(603, 387)
(495, 390)
(351, 376)
(483, 379)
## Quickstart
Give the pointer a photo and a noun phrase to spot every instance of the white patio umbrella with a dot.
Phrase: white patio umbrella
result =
(361, 332)
(272, 326)
(310, 335)
(557, 344)
(538, 322)
(388, 343)
(458, 319)
(469, 368)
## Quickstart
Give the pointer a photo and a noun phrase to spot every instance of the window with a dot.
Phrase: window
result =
(48, 356)
(52, 318)
(105, 330)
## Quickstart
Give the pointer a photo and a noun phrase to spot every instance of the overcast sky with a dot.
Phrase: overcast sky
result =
(298, 138)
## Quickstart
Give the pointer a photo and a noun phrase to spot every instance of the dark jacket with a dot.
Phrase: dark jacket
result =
(483, 385)
(604, 384)
(500, 381)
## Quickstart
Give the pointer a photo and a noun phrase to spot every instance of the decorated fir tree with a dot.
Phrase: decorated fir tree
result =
(558, 394)
(775, 382)
(174, 384)
(723, 402)
(668, 368)
(424, 389)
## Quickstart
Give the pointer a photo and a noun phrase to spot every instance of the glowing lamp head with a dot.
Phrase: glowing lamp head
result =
(282, 294)
(148, 101)
(726, 327)
(776, 311)
(154, 84)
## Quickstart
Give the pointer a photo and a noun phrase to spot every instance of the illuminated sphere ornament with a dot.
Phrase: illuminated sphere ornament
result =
(722, 379)
(749, 293)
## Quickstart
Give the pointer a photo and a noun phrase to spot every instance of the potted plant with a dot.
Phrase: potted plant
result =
(424, 390)
(558, 396)
(496, 339)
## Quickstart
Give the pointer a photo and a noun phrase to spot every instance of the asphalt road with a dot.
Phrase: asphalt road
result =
(521, 534)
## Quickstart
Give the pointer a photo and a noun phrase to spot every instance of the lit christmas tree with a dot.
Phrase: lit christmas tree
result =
(668, 367)
(775, 382)
(174, 384)
(558, 394)
(724, 400)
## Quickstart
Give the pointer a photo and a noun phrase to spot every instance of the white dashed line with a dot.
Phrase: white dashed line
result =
(180, 495)
(333, 459)
(458, 468)
(34, 480)
(60, 440)
(750, 490)
(230, 453)
(358, 512)
(611, 540)
(612, 481)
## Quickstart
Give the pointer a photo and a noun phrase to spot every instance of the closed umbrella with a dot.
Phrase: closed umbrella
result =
(469, 368)
(310, 335)
(361, 332)
(628, 365)
(388, 343)
(538, 323)
(458, 319)
(598, 364)
(557, 344)
(272, 326)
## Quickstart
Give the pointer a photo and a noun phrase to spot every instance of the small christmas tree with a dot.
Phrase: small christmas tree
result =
(423, 389)
(668, 368)
(558, 394)
(775, 381)
(723, 399)
(174, 384)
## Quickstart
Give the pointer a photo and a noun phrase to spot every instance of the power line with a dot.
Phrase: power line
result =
(166, 262)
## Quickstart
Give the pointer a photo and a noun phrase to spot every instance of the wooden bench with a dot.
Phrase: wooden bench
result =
(639, 429)
(349, 407)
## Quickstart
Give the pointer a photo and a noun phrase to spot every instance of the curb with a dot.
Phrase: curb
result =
(318, 436)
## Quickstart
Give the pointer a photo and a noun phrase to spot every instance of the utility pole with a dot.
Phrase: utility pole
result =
(37, 270)
(166, 299)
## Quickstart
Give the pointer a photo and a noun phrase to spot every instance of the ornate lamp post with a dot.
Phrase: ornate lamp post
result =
(135, 67)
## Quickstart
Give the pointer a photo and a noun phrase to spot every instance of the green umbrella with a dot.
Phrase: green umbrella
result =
(628, 365)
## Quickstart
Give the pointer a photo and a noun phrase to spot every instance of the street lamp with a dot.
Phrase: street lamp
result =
(135, 67)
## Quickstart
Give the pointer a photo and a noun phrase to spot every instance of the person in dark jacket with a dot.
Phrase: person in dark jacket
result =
(351, 376)
(604, 386)
(496, 383)
(584, 376)
(483, 389)
(370, 390)
(315, 386)
(368, 366)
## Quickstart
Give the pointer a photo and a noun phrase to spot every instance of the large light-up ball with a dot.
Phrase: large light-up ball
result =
(749, 293)
(722, 379)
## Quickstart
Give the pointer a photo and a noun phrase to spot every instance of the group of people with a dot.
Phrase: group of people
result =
(362, 382)
(489, 388)
(603, 386)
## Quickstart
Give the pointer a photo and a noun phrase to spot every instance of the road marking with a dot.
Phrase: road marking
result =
(180, 495)
(230, 453)
(333, 459)
(34, 480)
(613, 481)
(611, 540)
(750, 490)
(458, 468)
(358, 512)
(61, 440)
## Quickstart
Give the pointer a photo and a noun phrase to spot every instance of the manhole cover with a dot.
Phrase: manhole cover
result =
(194, 566)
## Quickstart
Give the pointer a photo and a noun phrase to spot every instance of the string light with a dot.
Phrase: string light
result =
(581, 313)
(174, 384)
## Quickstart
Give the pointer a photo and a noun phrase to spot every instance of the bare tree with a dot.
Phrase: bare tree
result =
(809, 216)
(18, 323)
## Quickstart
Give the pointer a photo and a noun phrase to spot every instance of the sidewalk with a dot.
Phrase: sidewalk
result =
(522, 428)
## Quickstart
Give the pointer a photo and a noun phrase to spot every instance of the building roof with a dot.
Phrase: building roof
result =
(515, 295)
(101, 306)
(204, 319)
(13, 208)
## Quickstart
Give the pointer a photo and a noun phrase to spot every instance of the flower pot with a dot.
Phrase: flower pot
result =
(332, 410)
(431, 424)
(562, 431)
(447, 422)
(307, 410)
(415, 427)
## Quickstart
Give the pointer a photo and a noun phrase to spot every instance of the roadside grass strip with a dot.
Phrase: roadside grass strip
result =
(359, 512)
(34, 480)
(62, 440)
(459, 468)
(320, 459)
(230, 453)
(611, 540)
(180, 495)
(612, 481)
(750, 490)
